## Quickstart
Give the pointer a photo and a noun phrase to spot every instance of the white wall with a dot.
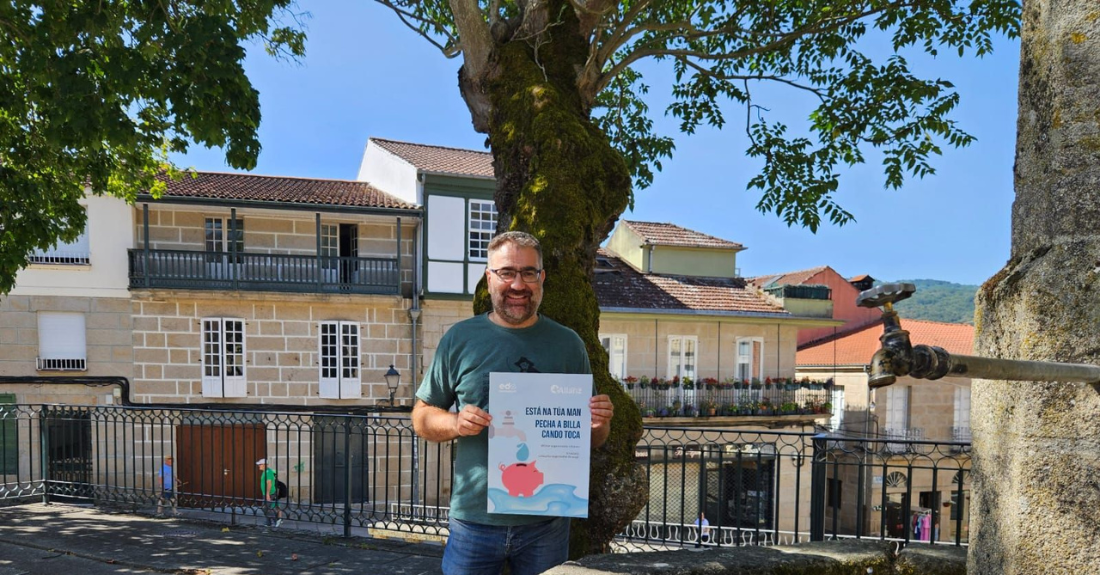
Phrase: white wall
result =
(110, 225)
(390, 174)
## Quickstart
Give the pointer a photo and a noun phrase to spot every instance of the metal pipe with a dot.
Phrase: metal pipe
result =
(1021, 370)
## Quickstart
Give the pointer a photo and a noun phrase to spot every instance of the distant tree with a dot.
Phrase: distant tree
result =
(937, 300)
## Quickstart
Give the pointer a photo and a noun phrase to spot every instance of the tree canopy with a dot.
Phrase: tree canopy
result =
(723, 51)
(93, 95)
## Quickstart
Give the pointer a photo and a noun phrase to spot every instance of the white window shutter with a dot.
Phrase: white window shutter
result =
(350, 378)
(328, 360)
(212, 358)
(61, 335)
(236, 384)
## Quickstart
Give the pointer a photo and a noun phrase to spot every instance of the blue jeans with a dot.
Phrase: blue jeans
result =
(476, 549)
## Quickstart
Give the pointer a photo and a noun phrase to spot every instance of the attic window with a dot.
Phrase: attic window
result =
(604, 265)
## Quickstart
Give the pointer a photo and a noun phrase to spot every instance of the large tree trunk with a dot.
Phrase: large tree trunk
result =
(559, 179)
(1037, 446)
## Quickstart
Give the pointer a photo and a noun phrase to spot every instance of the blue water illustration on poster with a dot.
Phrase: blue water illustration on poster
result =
(539, 444)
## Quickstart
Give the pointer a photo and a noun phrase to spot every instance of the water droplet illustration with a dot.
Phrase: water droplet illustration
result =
(523, 453)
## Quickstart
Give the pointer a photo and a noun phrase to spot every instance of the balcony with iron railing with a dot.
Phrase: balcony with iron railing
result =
(180, 269)
(900, 439)
(673, 398)
(962, 435)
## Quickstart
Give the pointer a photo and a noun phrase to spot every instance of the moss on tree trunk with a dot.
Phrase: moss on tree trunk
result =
(559, 179)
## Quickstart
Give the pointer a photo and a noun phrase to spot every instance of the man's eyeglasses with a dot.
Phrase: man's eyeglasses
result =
(529, 275)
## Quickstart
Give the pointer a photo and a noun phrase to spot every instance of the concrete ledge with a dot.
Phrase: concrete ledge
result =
(827, 558)
(932, 560)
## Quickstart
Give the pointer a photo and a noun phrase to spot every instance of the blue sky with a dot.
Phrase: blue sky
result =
(365, 75)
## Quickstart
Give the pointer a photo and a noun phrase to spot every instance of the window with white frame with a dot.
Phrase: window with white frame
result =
(750, 358)
(483, 224)
(330, 245)
(897, 407)
(962, 414)
(75, 253)
(223, 369)
(338, 345)
(223, 235)
(682, 351)
(61, 342)
(615, 344)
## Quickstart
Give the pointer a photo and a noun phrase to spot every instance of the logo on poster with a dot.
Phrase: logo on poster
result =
(506, 387)
(558, 390)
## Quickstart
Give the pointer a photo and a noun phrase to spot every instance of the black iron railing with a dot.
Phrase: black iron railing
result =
(706, 486)
(181, 269)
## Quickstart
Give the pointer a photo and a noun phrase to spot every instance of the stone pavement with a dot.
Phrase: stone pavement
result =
(61, 539)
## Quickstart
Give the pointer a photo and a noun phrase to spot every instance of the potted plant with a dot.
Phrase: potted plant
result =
(629, 381)
(827, 407)
(674, 409)
(709, 407)
(687, 382)
(756, 384)
(643, 382)
(710, 383)
(663, 412)
(689, 410)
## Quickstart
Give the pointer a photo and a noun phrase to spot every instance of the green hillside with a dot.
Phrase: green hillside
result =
(937, 300)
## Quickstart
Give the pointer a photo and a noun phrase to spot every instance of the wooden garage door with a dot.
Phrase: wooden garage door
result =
(216, 465)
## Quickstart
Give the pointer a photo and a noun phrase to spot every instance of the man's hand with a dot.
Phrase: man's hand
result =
(471, 420)
(602, 410)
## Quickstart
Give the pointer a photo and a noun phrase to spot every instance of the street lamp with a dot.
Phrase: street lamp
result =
(393, 377)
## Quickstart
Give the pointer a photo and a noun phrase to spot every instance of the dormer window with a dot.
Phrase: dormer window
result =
(604, 265)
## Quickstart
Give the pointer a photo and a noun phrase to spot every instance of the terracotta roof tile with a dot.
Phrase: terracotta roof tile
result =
(621, 286)
(250, 187)
(856, 347)
(789, 278)
(673, 235)
(441, 160)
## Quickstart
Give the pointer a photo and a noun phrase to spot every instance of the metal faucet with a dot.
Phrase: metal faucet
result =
(898, 357)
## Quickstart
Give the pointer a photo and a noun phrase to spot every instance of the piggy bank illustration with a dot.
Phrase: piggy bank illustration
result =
(521, 479)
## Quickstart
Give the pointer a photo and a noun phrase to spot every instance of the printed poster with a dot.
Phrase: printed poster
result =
(540, 443)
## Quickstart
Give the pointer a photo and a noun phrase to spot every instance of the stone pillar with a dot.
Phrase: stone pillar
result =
(1036, 503)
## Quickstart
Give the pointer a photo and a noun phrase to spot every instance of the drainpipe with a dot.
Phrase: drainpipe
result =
(414, 359)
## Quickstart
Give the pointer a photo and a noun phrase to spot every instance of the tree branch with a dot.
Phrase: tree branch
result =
(658, 46)
(407, 18)
(475, 41)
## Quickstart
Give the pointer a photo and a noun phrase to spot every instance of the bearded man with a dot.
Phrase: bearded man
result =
(511, 338)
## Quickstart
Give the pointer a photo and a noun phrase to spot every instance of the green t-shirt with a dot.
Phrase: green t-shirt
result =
(459, 374)
(267, 482)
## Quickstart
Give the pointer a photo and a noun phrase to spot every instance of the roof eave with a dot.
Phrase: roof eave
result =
(452, 174)
(288, 206)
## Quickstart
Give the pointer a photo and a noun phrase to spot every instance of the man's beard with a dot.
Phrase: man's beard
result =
(514, 314)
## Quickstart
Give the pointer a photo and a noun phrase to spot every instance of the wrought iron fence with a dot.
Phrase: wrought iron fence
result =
(706, 486)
